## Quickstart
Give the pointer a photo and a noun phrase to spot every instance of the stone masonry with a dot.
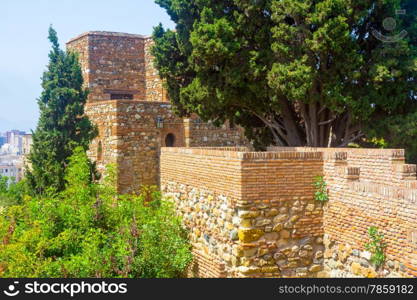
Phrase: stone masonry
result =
(254, 214)
(131, 109)
(368, 187)
(248, 215)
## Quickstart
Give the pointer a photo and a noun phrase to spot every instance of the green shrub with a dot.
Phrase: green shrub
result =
(376, 246)
(89, 230)
(321, 189)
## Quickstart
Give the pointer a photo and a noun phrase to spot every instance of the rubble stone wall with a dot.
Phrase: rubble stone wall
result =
(130, 135)
(114, 64)
(253, 212)
(80, 46)
(368, 187)
(129, 138)
(154, 87)
(203, 134)
(250, 214)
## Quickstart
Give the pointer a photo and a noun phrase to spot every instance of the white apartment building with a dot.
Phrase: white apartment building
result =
(26, 144)
(14, 154)
(11, 171)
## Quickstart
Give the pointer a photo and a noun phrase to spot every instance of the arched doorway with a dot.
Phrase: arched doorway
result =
(170, 140)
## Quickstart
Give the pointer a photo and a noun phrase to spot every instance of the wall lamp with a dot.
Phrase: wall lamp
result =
(159, 122)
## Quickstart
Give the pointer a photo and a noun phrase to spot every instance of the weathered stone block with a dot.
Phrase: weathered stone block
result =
(250, 235)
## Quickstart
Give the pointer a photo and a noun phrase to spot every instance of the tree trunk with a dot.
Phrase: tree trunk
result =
(311, 125)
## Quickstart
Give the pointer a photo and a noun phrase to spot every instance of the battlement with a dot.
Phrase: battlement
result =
(108, 34)
(249, 210)
(254, 214)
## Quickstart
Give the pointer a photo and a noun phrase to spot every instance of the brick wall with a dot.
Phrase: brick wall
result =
(368, 187)
(115, 64)
(121, 63)
(118, 62)
(249, 214)
(130, 138)
(254, 214)
(154, 87)
(80, 45)
(201, 134)
(376, 197)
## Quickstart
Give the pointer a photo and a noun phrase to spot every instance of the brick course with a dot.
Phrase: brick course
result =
(368, 187)
(255, 213)
(247, 210)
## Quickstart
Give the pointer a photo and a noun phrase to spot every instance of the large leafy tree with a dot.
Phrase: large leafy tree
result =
(292, 72)
(62, 125)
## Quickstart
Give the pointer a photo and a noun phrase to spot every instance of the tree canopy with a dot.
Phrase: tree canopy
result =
(62, 125)
(293, 72)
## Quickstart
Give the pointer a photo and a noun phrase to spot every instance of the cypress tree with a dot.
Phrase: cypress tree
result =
(62, 125)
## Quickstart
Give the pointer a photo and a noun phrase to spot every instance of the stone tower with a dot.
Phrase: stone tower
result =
(131, 109)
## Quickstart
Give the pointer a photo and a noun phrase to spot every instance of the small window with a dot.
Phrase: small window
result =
(170, 140)
(121, 96)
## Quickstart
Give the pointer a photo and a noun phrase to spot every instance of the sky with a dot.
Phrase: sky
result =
(24, 46)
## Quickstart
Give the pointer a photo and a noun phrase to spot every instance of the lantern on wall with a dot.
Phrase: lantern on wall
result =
(159, 122)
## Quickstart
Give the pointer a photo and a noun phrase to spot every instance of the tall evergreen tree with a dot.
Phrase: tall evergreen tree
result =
(293, 72)
(62, 125)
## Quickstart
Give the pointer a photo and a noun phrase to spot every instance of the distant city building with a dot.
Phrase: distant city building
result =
(15, 146)
(16, 138)
(9, 149)
(13, 170)
(26, 143)
(26, 146)
(11, 135)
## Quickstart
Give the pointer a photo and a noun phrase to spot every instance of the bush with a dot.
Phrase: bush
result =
(11, 192)
(321, 193)
(89, 230)
(376, 246)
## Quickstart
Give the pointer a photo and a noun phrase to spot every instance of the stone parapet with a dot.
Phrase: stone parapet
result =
(247, 210)
(256, 212)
